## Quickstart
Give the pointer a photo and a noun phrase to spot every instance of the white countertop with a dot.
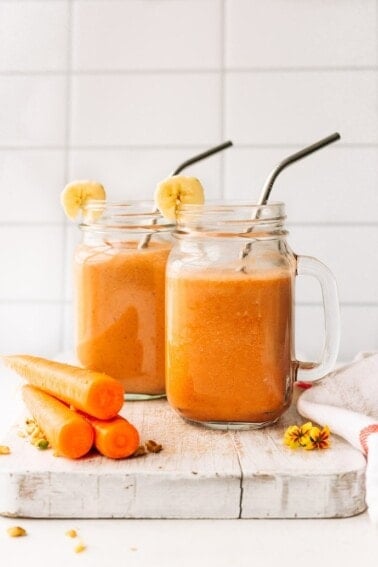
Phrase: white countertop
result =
(189, 543)
(167, 543)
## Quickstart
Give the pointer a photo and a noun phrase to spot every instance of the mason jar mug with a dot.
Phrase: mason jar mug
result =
(230, 353)
(120, 294)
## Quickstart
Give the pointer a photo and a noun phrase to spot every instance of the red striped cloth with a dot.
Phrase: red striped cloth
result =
(347, 401)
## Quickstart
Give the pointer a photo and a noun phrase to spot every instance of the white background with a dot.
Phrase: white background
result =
(122, 91)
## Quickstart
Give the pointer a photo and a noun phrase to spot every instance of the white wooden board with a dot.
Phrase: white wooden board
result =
(199, 474)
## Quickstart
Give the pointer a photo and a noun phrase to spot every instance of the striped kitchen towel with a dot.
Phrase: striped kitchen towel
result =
(347, 401)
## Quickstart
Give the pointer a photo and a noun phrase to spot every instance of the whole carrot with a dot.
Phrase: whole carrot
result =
(92, 392)
(115, 438)
(69, 434)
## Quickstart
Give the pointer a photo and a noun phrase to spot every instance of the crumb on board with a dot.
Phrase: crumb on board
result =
(71, 533)
(149, 447)
(4, 450)
(16, 531)
(153, 447)
(140, 451)
(80, 547)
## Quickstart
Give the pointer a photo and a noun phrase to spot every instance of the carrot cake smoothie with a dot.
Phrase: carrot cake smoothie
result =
(229, 346)
(120, 312)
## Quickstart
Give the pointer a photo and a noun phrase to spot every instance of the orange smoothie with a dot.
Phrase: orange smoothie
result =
(229, 346)
(120, 312)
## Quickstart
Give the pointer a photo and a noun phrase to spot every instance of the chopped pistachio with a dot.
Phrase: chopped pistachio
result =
(43, 444)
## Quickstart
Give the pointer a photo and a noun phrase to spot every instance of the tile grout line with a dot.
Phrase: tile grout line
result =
(222, 92)
(376, 51)
(181, 71)
(169, 147)
(67, 139)
(376, 32)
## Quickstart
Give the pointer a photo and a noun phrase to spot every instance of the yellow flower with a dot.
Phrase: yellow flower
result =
(318, 438)
(307, 436)
(297, 436)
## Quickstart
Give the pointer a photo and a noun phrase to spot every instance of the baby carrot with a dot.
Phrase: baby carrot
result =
(115, 438)
(92, 392)
(69, 434)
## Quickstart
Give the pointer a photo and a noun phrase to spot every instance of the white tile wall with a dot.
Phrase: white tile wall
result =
(296, 107)
(363, 318)
(31, 262)
(131, 172)
(33, 35)
(291, 33)
(32, 179)
(124, 90)
(32, 110)
(335, 185)
(30, 328)
(349, 250)
(159, 109)
(147, 35)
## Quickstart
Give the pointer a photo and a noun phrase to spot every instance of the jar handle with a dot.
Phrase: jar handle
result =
(311, 371)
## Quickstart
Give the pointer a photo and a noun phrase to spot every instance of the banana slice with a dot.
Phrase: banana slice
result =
(177, 190)
(76, 195)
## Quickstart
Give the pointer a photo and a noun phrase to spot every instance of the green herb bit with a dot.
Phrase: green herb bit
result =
(43, 444)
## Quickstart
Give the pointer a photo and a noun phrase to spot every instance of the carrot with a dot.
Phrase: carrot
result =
(92, 392)
(68, 433)
(115, 438)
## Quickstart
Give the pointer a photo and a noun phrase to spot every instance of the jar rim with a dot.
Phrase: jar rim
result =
(142, 207)
(232, 204)
(132, 215)
(241, 219)
(232, 211)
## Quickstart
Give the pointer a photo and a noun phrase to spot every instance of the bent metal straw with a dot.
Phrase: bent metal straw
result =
(268, 185)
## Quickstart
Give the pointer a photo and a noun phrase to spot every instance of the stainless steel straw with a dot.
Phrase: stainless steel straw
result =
(268, 185)
(203, 155)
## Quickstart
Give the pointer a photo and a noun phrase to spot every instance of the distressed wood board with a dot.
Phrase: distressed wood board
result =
(199, 474)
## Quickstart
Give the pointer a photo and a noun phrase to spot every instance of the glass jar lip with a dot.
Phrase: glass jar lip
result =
(232, 211)
(136, 207)
(132, 215)
(232, 204)
(230, 219)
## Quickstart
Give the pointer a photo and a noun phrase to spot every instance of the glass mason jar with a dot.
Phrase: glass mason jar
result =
(120, 294)
(230, 357)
